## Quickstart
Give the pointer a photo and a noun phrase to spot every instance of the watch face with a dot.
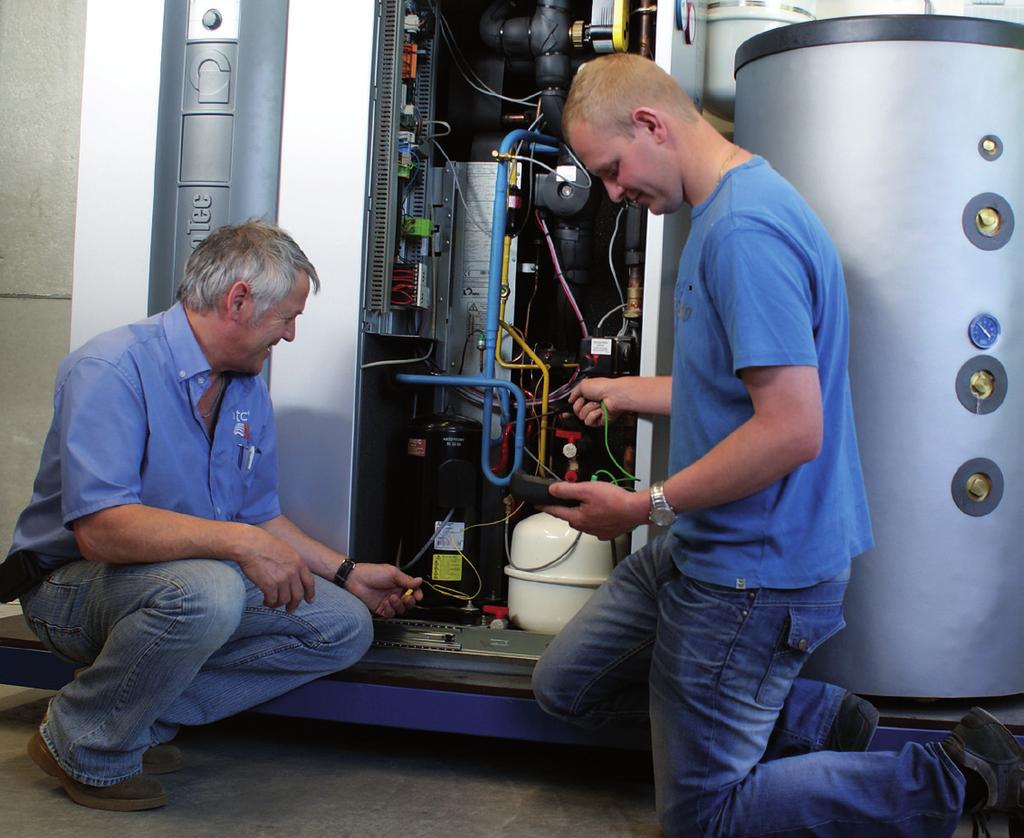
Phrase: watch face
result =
(662, 517)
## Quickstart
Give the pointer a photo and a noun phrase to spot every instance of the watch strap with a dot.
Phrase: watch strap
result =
(341, 577)
(661, 511)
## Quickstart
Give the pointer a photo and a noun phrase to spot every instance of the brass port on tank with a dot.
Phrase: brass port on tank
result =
(988, 221)
(979, 486)
(983, 384)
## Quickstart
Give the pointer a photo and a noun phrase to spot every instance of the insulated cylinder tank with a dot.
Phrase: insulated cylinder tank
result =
(906, 136)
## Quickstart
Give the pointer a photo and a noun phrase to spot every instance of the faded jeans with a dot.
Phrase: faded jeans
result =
(736, 736)
(173, 643)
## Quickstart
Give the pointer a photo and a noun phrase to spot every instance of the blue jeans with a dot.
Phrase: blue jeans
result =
(736, 736)
(173, 643)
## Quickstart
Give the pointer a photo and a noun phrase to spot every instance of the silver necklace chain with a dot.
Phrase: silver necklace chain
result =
(721, 172)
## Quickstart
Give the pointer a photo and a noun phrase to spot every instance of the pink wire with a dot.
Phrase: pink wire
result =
(558, 273)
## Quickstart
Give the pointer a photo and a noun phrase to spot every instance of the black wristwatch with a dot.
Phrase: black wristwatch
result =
(341, 577)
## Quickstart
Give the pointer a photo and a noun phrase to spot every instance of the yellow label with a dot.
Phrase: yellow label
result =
(447, 567)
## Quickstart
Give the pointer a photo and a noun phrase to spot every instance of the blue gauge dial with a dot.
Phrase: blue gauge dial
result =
(984, 331)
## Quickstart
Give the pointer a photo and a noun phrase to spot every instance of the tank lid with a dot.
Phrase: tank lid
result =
(849, 30)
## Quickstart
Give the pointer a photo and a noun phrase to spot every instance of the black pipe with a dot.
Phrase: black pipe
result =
(544, 37)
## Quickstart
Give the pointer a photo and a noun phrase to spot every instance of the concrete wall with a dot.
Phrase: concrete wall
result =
(41, 56)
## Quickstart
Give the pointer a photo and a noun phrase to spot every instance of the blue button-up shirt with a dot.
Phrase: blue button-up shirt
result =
(126, 430)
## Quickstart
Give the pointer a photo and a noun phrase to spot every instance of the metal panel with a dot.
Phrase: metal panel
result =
(322, 204)
(221, 93)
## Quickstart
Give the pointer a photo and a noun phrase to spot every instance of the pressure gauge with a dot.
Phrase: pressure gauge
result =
(984, 331)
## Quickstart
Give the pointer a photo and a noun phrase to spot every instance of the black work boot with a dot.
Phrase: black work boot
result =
(854, 725)
(980, 744)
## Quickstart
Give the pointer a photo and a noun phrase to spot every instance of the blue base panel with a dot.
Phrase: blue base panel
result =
(413, 708)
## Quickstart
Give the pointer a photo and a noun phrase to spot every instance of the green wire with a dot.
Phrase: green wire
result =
(608, 448)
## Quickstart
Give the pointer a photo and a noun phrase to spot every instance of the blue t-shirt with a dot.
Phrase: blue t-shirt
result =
(760, 284)
(126, 429)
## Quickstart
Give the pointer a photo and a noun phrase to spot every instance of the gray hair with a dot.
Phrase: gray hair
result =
(257, 252)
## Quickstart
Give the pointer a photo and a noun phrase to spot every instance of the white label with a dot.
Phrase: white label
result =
(566, 172)
(450, 536)
(601, 346)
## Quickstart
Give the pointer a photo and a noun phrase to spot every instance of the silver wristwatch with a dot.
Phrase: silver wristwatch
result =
(662, 514)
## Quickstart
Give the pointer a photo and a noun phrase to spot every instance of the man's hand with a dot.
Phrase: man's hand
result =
(586, 398)
(382, 588)
(605, 510)
(629, 394)
(276, 569)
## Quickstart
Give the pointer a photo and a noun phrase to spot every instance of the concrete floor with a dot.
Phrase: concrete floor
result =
(261, 776)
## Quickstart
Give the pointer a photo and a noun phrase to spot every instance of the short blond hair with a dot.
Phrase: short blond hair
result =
(607, 90)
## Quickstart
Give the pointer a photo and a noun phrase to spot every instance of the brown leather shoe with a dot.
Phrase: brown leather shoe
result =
(162, 759)
(131, 795)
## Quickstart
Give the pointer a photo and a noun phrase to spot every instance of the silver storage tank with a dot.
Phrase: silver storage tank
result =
(906, 135)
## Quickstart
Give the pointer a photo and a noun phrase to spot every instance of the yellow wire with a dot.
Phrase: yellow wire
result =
(499, 521)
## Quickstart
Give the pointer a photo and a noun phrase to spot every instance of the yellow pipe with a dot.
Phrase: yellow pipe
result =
(542, 444)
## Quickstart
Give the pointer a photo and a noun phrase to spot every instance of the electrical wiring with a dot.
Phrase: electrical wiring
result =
(458, 189)
(533, 457)
(464, 67)
(510, 515)
(429, 541)
(608, 448)
(558, 273)
(582, 168)
(444, 590)
(601, 322)
(611, 263)
(611, 477)
(441, 122)
(560, 558)
(525, 158)
(397, 361)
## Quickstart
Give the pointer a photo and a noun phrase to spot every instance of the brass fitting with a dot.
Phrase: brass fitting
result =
(979, 486)
(988, 221)
(983, 384)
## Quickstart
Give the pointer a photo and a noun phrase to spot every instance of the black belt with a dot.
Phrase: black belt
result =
(19, 574)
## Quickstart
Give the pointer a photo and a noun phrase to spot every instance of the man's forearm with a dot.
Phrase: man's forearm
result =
(138, 534)
(646, 394)
(751, 458)
(318, 557)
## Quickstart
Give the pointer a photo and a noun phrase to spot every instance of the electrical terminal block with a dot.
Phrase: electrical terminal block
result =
(405, 165)
(409, 61)
(420, 227)
(423, 295)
